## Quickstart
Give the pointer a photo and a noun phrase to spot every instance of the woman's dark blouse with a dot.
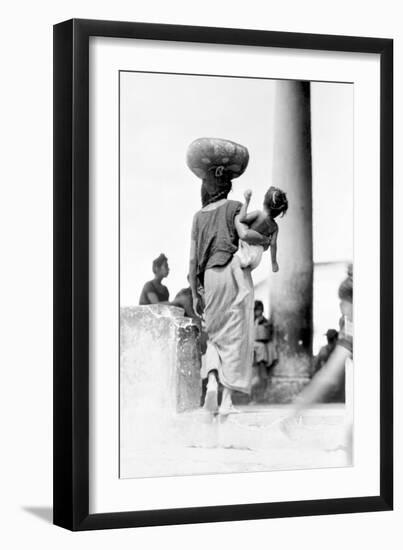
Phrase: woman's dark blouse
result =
(215, 236)
(162, 293)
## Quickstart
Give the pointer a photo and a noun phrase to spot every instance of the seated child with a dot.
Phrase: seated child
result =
(275, 203)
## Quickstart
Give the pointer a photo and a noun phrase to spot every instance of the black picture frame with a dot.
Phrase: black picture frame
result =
(71, 273)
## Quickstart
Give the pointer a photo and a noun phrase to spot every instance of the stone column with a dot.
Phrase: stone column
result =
(291, 289)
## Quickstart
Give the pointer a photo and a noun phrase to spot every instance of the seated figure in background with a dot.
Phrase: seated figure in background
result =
(154, 292)
(325, 351)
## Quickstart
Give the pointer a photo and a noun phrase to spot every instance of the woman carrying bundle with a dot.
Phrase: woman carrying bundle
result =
(228, 290)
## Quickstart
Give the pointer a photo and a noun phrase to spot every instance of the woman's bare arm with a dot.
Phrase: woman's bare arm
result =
(244, 217)
(153, 298)
(197, 301)
(324, 380)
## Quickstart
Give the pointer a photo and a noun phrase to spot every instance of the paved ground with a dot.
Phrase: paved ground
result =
(251, 441)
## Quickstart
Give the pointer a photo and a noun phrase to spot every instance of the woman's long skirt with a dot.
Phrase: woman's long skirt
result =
(229, 325)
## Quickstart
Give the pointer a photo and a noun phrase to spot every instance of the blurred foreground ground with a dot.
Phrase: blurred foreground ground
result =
(251, 441)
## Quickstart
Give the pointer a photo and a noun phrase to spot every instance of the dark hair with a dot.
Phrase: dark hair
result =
(159, 262)
(275, 200)
(258, 305)
(332, 334)
(215, 187)
(346, 287)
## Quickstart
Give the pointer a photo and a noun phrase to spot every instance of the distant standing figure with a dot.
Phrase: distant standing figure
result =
(264, 356)
(154, 292)
(325, 351)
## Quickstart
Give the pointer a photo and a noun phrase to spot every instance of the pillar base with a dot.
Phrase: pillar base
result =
(284, 389)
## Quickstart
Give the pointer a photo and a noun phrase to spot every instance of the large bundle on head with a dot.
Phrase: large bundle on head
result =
(217, 158)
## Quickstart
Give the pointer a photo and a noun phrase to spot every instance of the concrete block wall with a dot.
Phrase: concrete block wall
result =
(159, 370)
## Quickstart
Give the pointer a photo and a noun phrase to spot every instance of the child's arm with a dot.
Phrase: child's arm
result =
(244, 217)
(273, 250)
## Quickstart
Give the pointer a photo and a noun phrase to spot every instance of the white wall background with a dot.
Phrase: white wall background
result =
(26, 280)
(160, 116)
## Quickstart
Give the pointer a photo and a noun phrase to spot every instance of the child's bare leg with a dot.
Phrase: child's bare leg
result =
(239, 277)
(273, 252)
(238, 272)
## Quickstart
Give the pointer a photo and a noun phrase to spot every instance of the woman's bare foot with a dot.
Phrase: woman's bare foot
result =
(210, 401)
(227, 406)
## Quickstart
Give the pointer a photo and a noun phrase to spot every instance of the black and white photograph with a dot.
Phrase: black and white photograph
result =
(236, 266)
(200, 286)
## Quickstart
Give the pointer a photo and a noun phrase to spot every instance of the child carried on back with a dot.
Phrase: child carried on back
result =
(275, 203)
